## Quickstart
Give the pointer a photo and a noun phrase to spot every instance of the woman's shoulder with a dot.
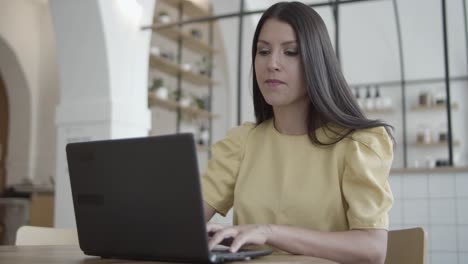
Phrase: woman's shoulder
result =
(236, 137)
(370, 134)
(376, 139)
(241, 131)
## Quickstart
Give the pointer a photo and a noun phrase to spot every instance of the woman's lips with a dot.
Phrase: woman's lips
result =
(274, 83)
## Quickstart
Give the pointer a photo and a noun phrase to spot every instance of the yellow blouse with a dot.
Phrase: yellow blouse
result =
(269, 177)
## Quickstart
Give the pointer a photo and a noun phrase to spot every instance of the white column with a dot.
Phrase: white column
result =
(103, 68)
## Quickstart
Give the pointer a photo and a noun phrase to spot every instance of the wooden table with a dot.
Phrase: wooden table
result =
(73, 255)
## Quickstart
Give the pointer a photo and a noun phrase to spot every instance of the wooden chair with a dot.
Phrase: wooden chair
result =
(33, 235)
(406, 246)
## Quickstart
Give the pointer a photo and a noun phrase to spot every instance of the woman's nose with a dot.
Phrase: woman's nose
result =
(273, 63)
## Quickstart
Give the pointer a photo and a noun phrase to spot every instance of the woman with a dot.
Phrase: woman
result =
(310, 177)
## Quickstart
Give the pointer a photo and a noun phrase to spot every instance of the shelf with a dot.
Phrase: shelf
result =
(188, 41)
(173, 69)
(446, 169)
(434, 107)
(455, 143)
(379, 111)
(189, 8)
(173, 106)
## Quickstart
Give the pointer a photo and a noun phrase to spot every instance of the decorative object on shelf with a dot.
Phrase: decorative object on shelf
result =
(168, 55)
(196, 33)
(443, 135)
(164, 17)
(155, 50)
(185, 101)
(430, 162)
(442, 163)
(424, 135)
(186, 67)
(425, 99)
(204, 136)
(439, 99)
(157, 89)
(204, 66)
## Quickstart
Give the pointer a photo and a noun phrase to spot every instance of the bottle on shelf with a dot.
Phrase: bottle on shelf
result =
(369, 104)
(424, 135)
(358, 97)
(387, 102)
(378, 102)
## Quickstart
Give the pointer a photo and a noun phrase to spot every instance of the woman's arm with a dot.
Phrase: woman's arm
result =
(208, 211)
(354, 246)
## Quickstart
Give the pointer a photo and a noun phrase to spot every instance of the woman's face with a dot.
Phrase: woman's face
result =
(278, 67)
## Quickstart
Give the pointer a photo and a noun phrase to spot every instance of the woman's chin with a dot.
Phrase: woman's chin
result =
(275, 103)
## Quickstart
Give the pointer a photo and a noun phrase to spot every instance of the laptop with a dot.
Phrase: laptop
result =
(140, 198)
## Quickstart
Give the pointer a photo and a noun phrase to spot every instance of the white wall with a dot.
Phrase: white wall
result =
(439, 204)
(27, 66)
(47, 102)
(103, 62)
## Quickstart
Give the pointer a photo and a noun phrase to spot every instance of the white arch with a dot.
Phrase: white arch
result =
(19, 99)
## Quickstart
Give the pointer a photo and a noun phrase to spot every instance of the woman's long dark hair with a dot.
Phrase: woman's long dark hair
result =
(331, 99)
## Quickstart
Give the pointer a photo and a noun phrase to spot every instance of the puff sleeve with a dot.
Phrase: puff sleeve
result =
(220, 177)
(368, 160)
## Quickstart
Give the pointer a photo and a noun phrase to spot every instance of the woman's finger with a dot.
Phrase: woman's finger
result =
(215, 227)
(221, 235)
(240, 240)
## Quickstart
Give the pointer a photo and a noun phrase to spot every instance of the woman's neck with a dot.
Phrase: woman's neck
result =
(291, 119)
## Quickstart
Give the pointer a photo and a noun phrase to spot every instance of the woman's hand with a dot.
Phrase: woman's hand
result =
(241, 235)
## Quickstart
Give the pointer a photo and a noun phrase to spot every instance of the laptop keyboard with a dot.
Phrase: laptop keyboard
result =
(226, 255)
(242, 254)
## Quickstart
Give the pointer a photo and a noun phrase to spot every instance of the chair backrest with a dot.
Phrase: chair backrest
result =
(406, 246)
(32, 235)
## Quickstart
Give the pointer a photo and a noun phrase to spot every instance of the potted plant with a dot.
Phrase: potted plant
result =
(199, 102)
(175, 95)
(158, 90)
(164, 17)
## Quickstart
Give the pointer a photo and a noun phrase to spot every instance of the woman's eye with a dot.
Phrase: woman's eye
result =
(263, 52)
(291, 52)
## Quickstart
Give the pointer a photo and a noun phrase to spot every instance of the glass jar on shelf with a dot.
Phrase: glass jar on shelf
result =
(424, 135)
(440, 99)
(442, 133)
(425, 99)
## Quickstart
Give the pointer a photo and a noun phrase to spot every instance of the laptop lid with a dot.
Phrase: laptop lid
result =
(139, 198)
